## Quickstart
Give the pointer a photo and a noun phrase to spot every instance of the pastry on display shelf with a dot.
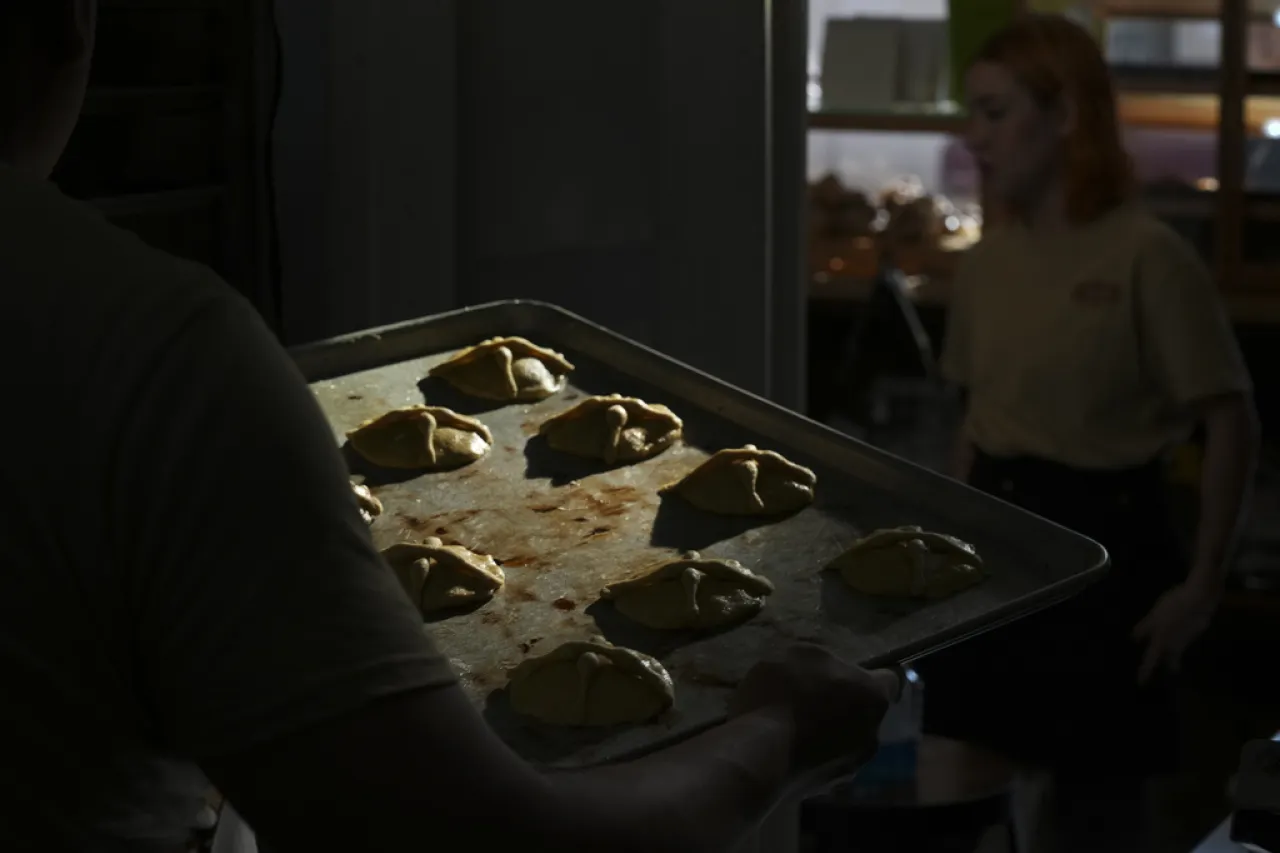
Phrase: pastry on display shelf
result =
(828, 191)
(440, 577)
(592, 684)
(690, 593)
(748, 481)
(899, 193)
(506, 370)
(911, 216)
(914, 219)
(961, 225)
(614, 429)
(426, 437)
(839, 212)
(908, 562)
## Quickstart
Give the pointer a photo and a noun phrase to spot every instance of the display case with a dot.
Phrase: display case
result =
(1199, 99)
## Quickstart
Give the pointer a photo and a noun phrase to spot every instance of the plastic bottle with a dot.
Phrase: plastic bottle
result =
(894, 765)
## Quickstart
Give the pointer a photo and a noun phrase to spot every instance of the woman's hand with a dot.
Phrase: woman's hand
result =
(1178, 617)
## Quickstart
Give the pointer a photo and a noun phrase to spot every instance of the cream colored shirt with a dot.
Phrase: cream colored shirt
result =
(184, 572)
(1087, 347)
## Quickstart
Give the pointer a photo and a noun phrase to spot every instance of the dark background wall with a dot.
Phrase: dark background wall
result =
(630, 161)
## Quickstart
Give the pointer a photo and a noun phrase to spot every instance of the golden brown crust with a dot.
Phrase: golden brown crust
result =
(907, 562)
(690, 593)
(506, 370)
(370, 506)
(591, 683)
(439, 577)
(614, 429)
(747, 481)
(426, 437)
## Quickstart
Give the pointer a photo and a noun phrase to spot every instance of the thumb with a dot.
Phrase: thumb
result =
(890, 682)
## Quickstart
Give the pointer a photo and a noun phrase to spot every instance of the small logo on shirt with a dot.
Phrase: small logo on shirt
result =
(1096, 291)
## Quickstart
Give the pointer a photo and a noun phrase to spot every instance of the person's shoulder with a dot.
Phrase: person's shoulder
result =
(1146, 234)
(1160, 259)
(100, 307)
(60, 251)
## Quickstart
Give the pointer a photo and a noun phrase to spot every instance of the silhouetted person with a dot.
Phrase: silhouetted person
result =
(186, 581)
(1091, 340)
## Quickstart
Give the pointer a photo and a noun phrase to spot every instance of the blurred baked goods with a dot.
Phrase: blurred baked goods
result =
(911, 216)
(852, 234)
(836, 211)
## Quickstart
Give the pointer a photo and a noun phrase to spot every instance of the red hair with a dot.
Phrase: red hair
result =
(1058, 61)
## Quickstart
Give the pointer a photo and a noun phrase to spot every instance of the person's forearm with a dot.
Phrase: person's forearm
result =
(1231, 450)
(705, 794)
(383, 787)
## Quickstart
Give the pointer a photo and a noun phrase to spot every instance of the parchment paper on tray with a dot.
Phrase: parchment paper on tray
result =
(564, 527)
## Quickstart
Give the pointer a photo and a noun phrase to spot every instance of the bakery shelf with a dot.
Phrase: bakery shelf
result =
(1189, 80)
(1232, 101)
(1262, 10)
(1156, 79)
(902, 119)
(1195, 111)
(859, 257)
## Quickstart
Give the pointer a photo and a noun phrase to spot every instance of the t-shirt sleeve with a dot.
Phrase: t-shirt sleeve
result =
(259, 602)
(954, 363)
(1186, 338)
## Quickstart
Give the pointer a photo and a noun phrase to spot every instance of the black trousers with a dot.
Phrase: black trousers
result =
(1059, 689)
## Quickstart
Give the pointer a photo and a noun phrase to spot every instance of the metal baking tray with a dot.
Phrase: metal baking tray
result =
(562, 528)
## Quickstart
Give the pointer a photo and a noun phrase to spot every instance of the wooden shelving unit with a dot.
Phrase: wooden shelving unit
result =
(171, 143)
(1231, 100)
(900, 120)
(1152, 106)
(1258, 10)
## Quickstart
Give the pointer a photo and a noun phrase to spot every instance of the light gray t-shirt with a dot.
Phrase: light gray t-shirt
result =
(183, 569)
(1089, 346)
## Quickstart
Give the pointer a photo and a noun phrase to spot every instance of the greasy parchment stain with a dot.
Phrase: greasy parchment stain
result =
(563, 528)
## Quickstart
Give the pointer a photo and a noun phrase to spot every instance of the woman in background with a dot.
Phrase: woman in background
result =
(1089, 339)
